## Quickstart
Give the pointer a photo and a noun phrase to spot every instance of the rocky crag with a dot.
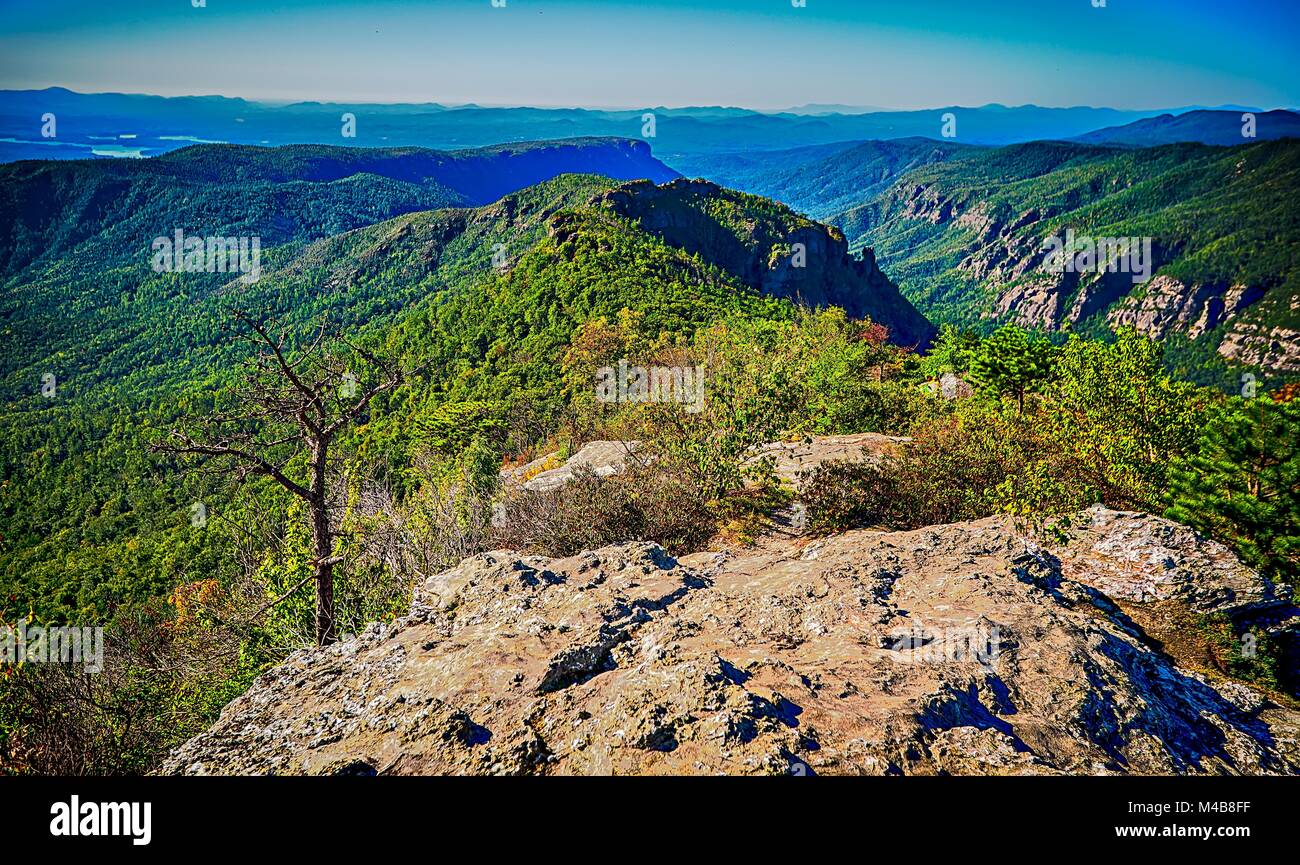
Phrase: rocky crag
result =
(782, 254)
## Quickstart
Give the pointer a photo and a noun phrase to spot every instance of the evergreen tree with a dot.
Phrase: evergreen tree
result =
(1012, 363)
(1242, 484)
(952, 351)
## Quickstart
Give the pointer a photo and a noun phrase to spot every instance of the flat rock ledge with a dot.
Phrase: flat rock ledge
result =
(964, 649)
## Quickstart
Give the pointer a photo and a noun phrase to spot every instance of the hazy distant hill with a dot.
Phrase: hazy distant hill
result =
(824, 179)
(1202, 127)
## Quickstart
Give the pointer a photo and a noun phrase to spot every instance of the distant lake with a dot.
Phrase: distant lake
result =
(126, 145)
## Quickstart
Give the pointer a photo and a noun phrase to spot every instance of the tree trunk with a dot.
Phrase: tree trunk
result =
(323, 549)
(325, 630)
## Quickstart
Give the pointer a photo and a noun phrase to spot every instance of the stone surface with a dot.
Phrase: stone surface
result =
(1133, 557)
(793, 459)
(790, 459)
(849, 654)
(547, 473)
(1168, 305)
(1276, 348)
(950, 386)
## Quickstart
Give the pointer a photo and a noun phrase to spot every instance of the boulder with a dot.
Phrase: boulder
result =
(794, 460)
(548, 473)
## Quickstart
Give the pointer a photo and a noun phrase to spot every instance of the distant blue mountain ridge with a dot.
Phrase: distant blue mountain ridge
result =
(108, 125)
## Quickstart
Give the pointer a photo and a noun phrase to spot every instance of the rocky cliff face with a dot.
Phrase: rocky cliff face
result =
(781, 254)
(1004, 258)
(1168, 305)
(965, 238)
(1272, 348)
(963, 649)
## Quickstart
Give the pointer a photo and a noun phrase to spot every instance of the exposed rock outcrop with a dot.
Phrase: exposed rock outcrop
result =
(968, 239)
(793, 461)
(549, 472)
(696, 215)
(1168, 305)
(1275, 348)
(790, 459)
(963, 649)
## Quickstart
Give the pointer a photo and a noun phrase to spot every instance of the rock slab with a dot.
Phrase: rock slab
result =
(959, 649)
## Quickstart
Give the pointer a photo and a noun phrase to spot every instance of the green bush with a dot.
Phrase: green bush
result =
(979, 461)
(1241, 483)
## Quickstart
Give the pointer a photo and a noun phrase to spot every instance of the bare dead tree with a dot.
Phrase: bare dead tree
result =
(287, 408)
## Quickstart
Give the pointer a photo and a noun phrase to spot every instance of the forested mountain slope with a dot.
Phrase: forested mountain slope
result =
(77, 236)
(488, 297)
(962, 229)
(965, 239)
(766, 245)
(296, 192)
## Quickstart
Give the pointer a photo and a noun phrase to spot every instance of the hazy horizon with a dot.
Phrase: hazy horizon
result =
(821, 107)
(765, 55)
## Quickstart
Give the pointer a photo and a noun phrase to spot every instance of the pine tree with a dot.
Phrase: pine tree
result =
(1242, 484)
(1012, 363)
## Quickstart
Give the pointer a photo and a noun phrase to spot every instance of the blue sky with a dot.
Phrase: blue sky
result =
(753, 53)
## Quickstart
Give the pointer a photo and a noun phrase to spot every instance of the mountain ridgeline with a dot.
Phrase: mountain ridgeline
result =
(291, 193)
(91, 123)
(1224, 128)
(768, 246)
(823, 180)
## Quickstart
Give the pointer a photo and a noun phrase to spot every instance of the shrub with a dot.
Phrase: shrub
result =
(640, 503)
(975, 463)
(1113, 404)
(847, 373)
(844, 494)
(165, 678)
(1227, 652)
(952, 351)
